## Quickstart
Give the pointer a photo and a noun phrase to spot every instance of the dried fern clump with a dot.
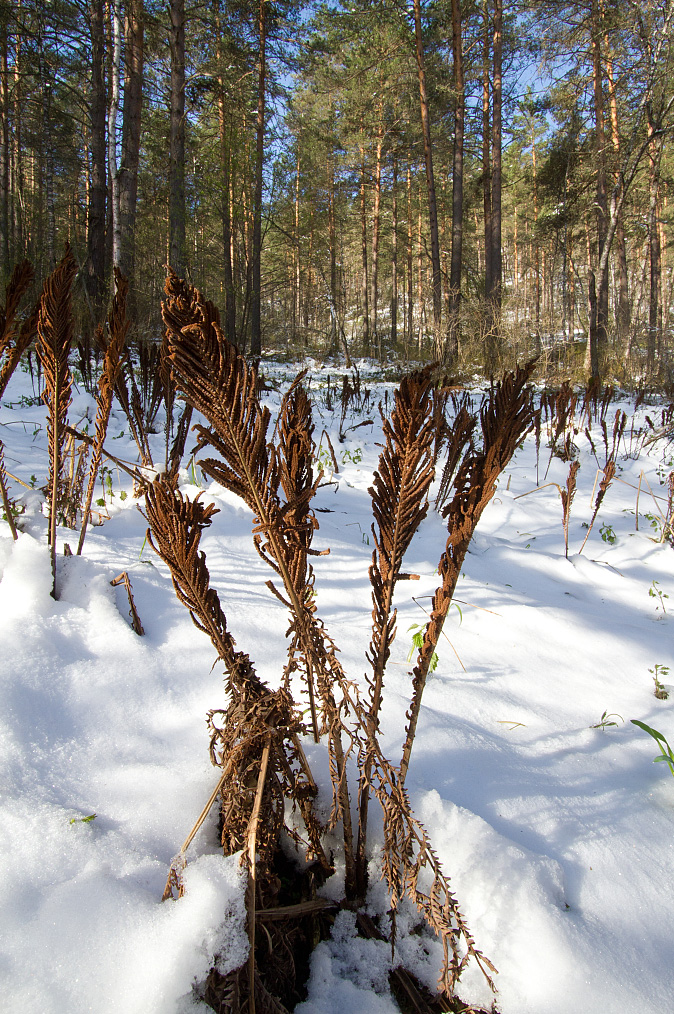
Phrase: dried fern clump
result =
(255, 738)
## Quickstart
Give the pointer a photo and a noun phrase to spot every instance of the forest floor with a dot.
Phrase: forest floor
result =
(557, 833)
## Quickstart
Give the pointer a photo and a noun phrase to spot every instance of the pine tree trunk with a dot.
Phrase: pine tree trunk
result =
(256, 280)
(113, 112)
(177, 214)
(496, 291)
(601, 192)
(457, 183)
(623, 313)
(363, 235)
(5, 158)
(131, 134)
(430, 180)
(486, 153)
(394, 255)
(375, 232)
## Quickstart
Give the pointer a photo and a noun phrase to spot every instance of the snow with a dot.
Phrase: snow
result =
(558, 837)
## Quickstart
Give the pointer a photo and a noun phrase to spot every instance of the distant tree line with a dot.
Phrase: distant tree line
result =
(451, 179)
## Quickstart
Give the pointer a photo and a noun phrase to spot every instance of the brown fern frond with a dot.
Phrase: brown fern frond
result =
(22, 276)
(175, 531)
(399, 505)
(567, 496)
(460, 434)
(505, 419)
(55, 332)
(219, 383)
(118, 326)
(604, 484)
(406, 856)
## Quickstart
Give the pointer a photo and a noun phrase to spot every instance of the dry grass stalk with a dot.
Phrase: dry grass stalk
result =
(399, 503)
(55, 332)
(505, 420)
(123, 578)
(567, 496)
(118, 326)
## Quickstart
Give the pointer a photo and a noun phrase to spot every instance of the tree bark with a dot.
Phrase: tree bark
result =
(496, 292)
(623, 312)
(131, 134)
(601, 191)
(363, 239)
(113, 113)
(457, 183)
(97, 170)
(375, 228)
(256, 279)
(430, 180)
(5, 158)
(177, 213)
(486, 153)
(394, 255)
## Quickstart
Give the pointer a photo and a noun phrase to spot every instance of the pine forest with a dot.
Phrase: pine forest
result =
(470, 182)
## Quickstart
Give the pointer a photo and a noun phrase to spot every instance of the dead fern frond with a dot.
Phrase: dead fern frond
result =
(407, 860)
(219, 383)
(567, 496)
(55, 332)
(118, 326)
(399, 504)
(22, 276)
(176, 525)
(505, 419)
(606, 479)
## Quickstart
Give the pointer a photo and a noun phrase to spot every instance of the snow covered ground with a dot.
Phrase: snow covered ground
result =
(558, 837)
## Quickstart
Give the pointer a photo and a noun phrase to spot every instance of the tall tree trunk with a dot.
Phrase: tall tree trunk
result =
(430, 180)
(113, 113)
(363, 239)
(486, 152)
(623, 312)
(226, 212)
(537, 249)
(601, 191)
(296, 250)
(654, 251)
(17, 154)
(97, 171)
(131, 133)
(256, 293)
(332, 242)
(394, 255)
(496, 253)
(410, 280)
(457, 182)
(375, 228)
(5, 157)
(177, 213)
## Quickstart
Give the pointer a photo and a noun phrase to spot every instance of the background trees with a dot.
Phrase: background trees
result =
(468, 179)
